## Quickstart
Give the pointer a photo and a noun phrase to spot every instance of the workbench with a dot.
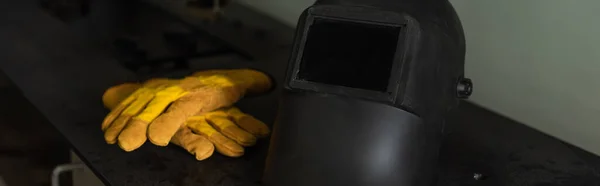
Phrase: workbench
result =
(63, 68)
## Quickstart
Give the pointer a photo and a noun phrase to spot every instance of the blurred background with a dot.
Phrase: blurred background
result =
(30, 147)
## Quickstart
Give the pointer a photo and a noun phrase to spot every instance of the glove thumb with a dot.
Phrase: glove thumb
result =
(114, 95)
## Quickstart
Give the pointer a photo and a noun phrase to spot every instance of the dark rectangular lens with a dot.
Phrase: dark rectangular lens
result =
(350, 54)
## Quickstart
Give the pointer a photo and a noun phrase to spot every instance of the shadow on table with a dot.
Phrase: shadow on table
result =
(29, 146)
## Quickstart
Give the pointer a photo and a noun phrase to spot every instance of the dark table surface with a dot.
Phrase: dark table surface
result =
(62, 68)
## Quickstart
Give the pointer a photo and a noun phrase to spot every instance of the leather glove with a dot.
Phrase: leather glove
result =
(144, 112)
(205, 138)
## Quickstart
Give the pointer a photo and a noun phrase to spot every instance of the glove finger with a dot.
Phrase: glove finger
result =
(164, 126)
(133, 135)
(224, 145)
(116, 112)
(221, 122)
(112, 132)
(197, 145)
(113, 96)
(254, 81)
(161, 100)
(114, 128)
(251, 80)
(248, 122)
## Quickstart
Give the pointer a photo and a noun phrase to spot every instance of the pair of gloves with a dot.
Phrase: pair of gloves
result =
(195, 113)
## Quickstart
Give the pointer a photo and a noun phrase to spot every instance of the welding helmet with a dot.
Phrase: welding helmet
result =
(368, 85)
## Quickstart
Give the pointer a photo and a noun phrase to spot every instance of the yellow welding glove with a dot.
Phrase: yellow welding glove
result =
(228, 129)
(159, 107)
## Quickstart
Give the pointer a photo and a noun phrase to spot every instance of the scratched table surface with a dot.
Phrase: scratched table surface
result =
(62, 68)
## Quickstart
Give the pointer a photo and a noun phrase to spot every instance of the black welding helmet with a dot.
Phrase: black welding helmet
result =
(368, 85)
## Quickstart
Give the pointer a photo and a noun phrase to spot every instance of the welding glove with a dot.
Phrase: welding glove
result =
(228, 129)
(144, 112)
(199, 136)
